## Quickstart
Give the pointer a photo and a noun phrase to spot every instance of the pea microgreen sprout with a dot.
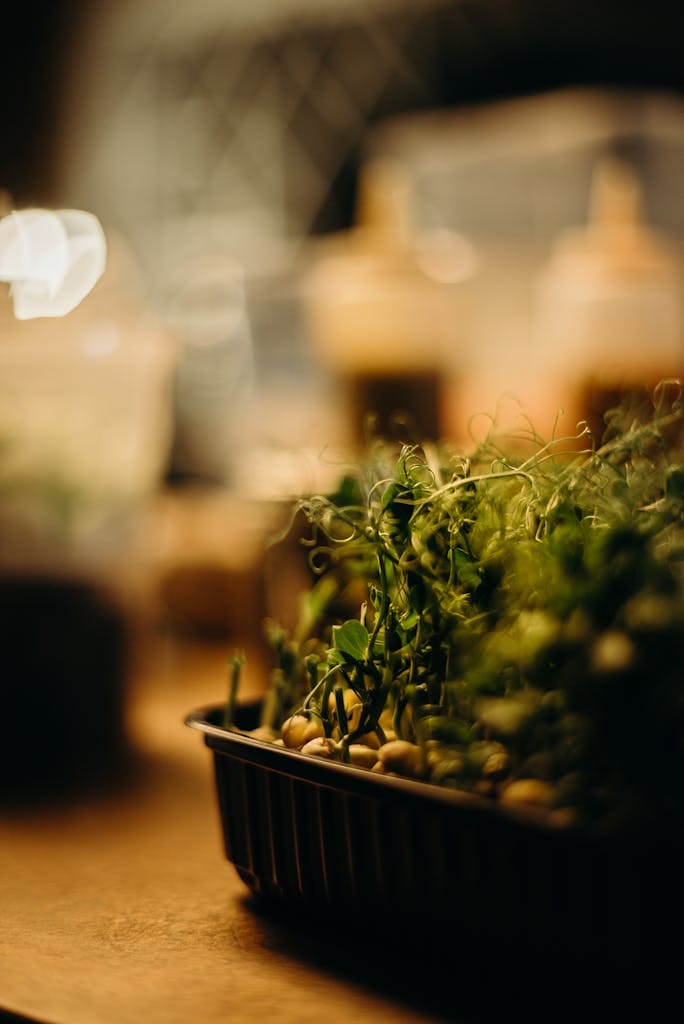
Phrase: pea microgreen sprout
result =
(275, 702)
(341, 712)
(236, 663)
(518, 625)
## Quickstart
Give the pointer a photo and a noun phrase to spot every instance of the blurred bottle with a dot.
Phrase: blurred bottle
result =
(384, 308)
(610, 316)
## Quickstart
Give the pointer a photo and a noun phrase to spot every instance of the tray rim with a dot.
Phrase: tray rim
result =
(377, 786)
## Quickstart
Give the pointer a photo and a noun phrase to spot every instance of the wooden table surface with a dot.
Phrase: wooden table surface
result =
(119, 906)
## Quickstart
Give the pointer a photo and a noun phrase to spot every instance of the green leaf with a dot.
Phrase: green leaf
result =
(352, 639)
(410, 620)
(389, 495)
(466, 571)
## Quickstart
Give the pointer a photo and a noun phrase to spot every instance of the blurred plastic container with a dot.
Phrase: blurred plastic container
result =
(513, 176)
(519, 169)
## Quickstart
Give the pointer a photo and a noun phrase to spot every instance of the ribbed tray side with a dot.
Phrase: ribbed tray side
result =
(332, 849)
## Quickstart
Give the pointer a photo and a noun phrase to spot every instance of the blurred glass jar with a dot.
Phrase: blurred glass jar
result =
(387, 312)
(85, 422)
(85, 426)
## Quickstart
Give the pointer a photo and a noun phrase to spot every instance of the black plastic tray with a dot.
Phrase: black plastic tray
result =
(337, 840)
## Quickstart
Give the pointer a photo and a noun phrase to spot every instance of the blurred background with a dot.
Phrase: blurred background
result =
(435, 213)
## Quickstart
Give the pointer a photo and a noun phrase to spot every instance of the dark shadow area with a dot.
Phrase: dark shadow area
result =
(40, 40)
(131, 771)
(6, 1017)
(454, 975)
(65, 647)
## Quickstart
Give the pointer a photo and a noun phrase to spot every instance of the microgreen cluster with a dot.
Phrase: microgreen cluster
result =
(516, 617)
